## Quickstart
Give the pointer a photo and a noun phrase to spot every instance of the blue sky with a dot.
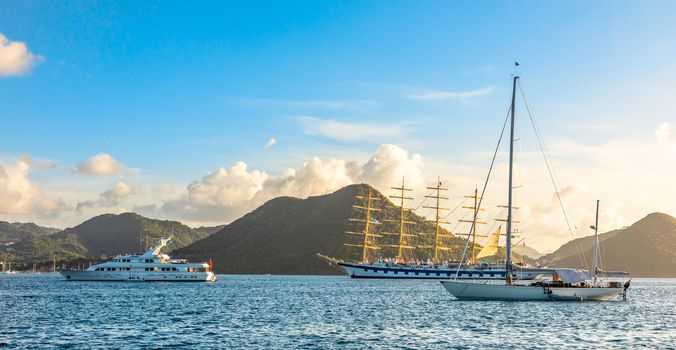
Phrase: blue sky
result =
(174, 90)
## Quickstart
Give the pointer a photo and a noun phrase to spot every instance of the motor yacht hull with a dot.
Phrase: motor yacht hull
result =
(137, 276)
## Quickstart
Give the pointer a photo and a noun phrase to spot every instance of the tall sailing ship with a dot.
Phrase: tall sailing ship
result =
(403, 265)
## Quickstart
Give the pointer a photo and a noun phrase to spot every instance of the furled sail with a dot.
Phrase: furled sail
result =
(491, 247)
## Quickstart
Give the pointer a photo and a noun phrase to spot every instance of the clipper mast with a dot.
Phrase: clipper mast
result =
(369, 238)
(402, 223)
(475, 221)
(438, 243)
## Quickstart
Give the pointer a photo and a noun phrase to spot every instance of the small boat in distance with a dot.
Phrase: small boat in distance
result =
(8, 270)
(565, 284)
(151, 266)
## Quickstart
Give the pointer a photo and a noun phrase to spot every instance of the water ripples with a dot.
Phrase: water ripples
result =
(308, 312)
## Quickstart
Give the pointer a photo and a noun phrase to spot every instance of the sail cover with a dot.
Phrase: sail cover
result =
(491, 247)
(573, 275)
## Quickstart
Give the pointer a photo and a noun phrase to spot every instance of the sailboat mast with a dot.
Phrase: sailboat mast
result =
(596, 240)
(436, 227)
(508, 244)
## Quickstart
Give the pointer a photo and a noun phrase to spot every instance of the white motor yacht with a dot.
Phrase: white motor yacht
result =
(151, 266)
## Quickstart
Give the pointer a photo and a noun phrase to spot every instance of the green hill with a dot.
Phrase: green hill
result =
(15, 231)
(103, 235)
(645, 249)
(284, 235)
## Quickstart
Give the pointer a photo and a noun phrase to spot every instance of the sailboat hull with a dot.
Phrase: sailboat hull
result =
(486, 291)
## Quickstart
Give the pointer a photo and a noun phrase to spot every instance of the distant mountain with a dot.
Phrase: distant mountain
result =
(527, 251)
(107, 234)
(575, 247)
(284, 235)
(645, 249)
(209, 229)
(15, 231)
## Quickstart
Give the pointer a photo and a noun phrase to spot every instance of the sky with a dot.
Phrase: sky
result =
(202, 112)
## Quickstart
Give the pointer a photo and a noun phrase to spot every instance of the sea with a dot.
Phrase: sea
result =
(42, 311)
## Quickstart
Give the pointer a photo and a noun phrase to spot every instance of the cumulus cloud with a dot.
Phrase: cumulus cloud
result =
(225, 194)
(389, 164)
(314, 177)
(15, 59)
(226, 187)
(271, 142)
(38, 163)
(100, 164)
(109, 198)
(114, 195)
(665, 133)
(431, 95)
(19, 196)
(348, 131)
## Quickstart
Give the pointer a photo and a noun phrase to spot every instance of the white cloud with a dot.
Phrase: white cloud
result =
(38, 163)
(225, 194)
(109, 198)
(271, 142)
(226, 187)
(665, 133)
(431, 95)
(15, 59)
(100, 164)
(349, 131)
(114, 195)
(316, 176)
(19, 196)
(389, 164)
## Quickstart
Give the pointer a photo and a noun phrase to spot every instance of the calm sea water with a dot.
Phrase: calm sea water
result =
(43, 311)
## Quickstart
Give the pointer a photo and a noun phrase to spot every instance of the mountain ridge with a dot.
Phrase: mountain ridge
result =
(284, 235)
(102, 235)
(646, 248)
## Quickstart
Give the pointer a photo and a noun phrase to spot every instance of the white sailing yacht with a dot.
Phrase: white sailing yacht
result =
(565, 284)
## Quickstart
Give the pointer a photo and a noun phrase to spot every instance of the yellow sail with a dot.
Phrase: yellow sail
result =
(491, 247)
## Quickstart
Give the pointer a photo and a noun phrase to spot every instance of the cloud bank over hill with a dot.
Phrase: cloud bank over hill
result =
(226, 193)
(19, 196)
(631, 183)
